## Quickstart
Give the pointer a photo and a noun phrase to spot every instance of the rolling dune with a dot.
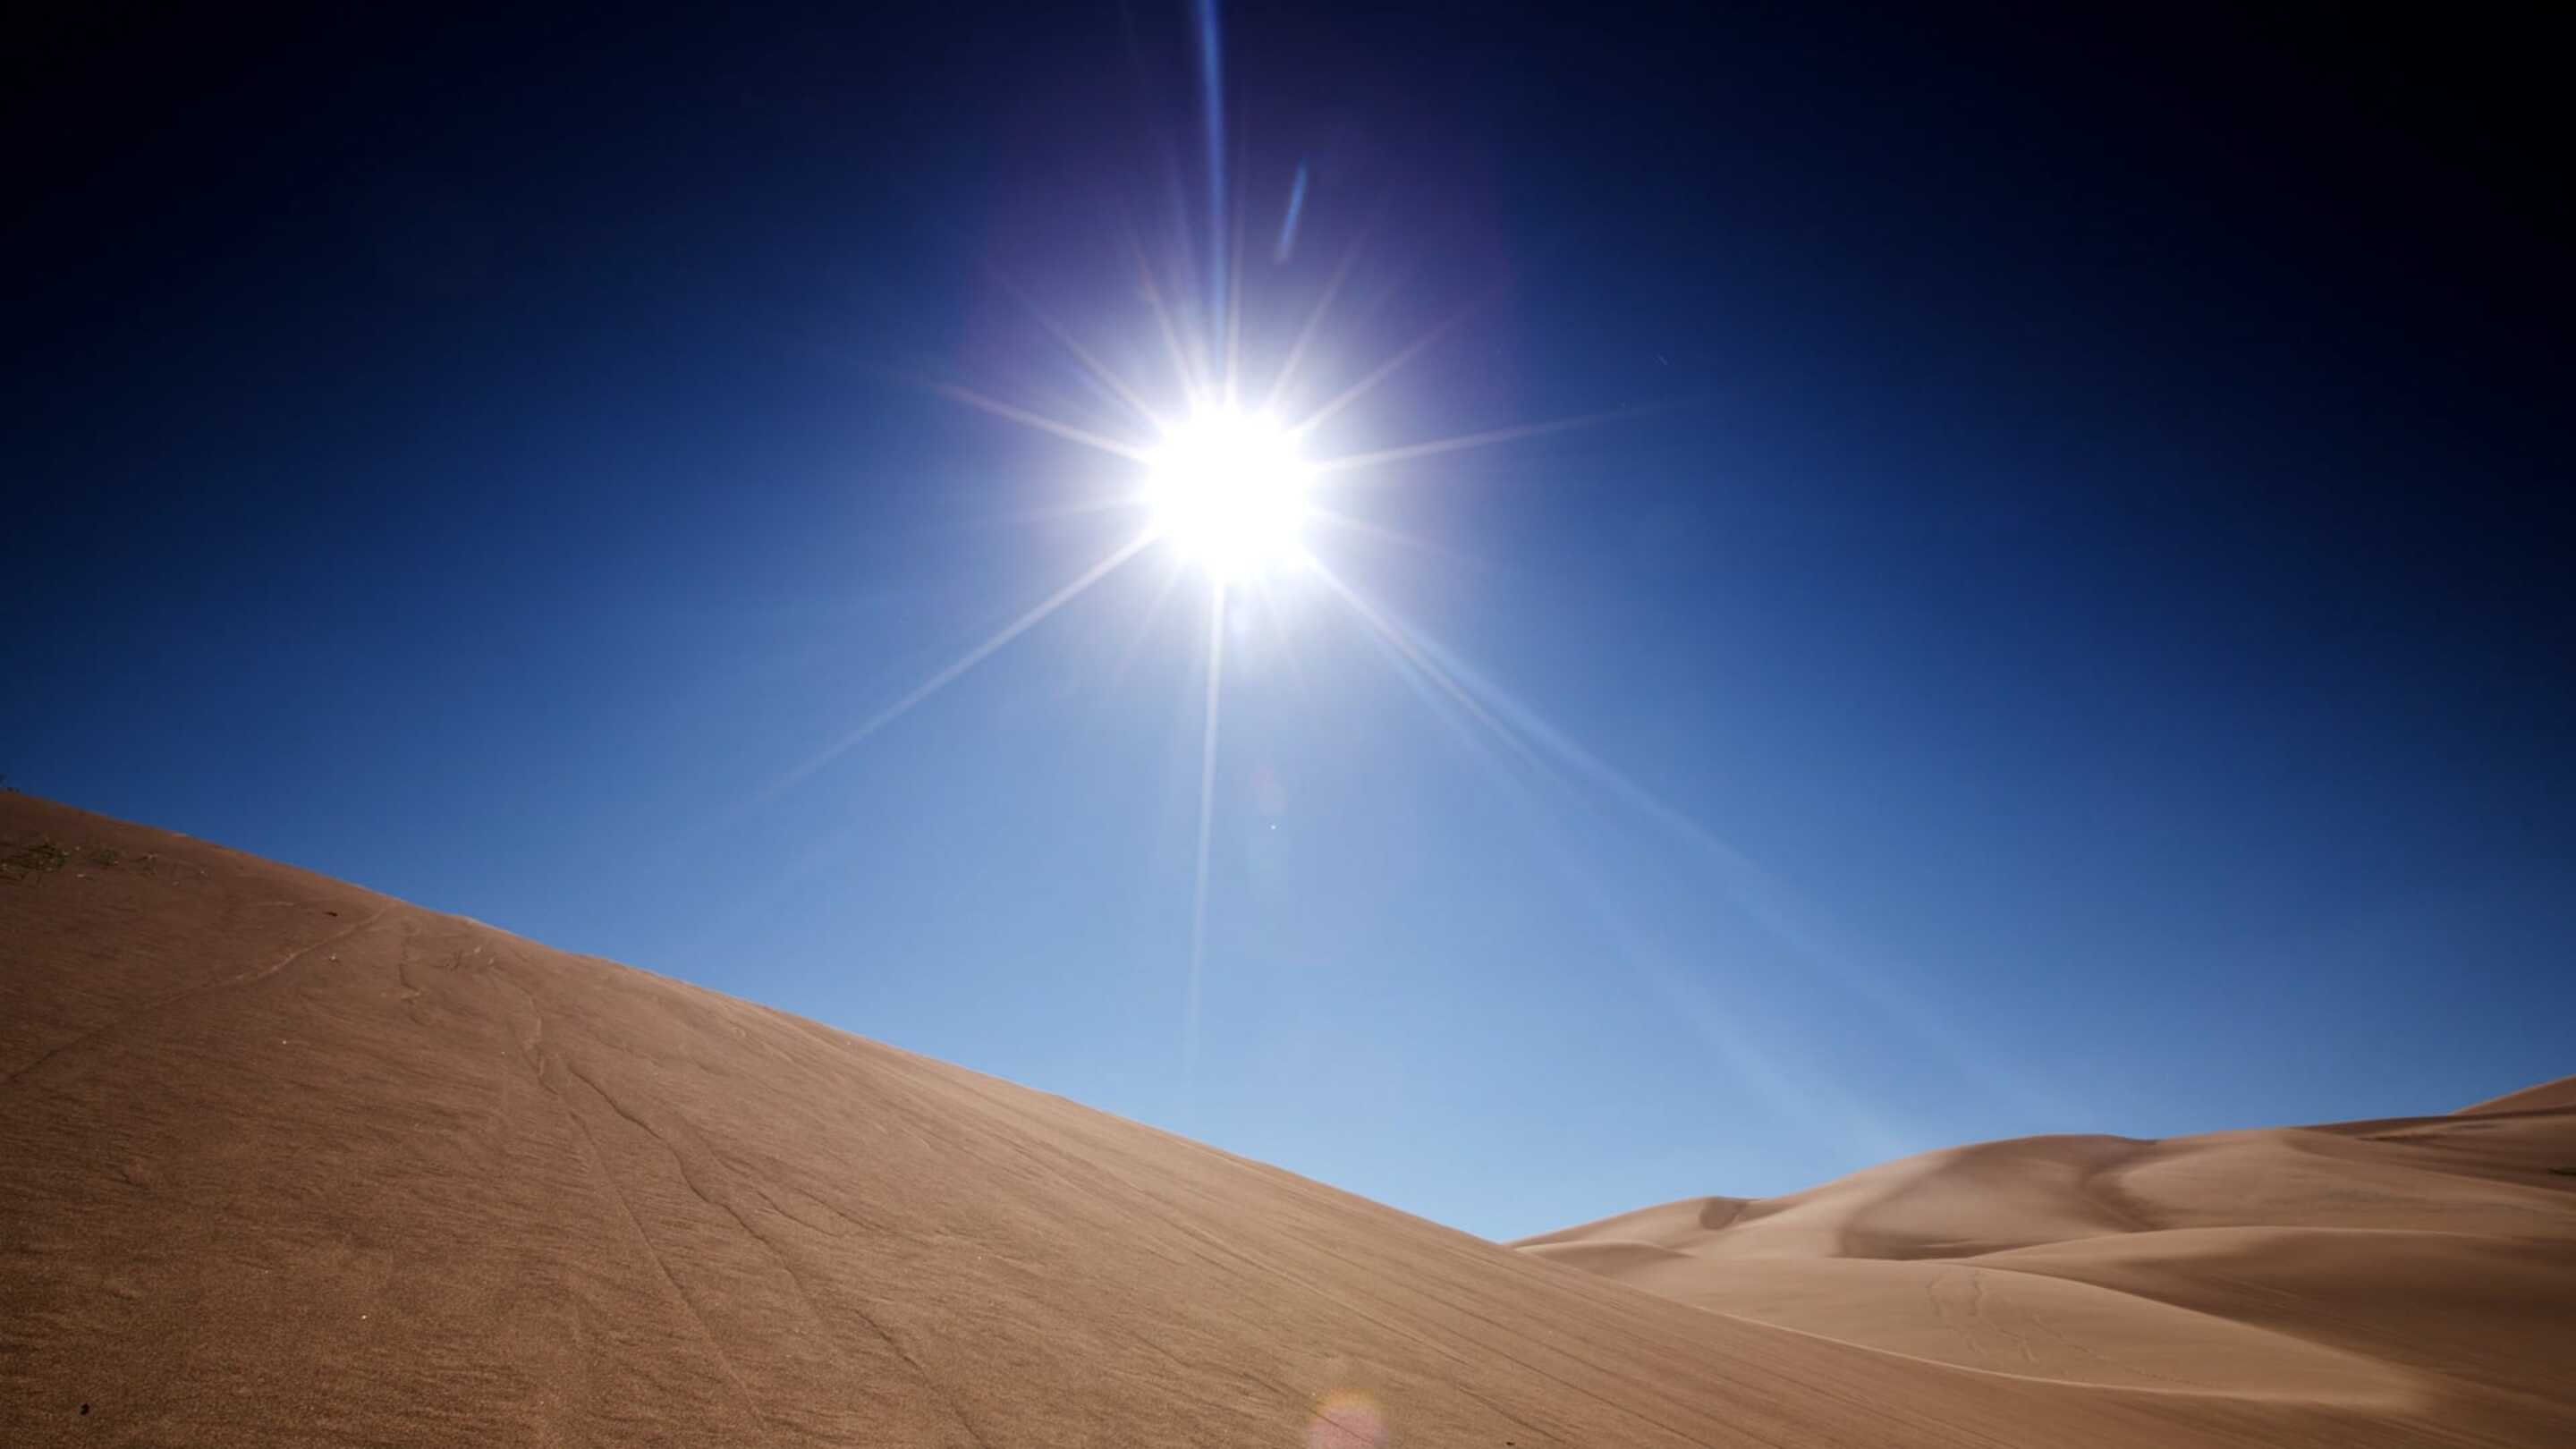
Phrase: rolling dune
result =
(289, 1162)
(2361, 1263)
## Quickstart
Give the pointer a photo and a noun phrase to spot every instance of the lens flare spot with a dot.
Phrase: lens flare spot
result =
(1347, 1420)
(1229, 490)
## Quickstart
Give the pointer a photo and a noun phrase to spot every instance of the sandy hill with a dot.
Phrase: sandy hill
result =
(2425, 1259)
(2560, 1093)
(288, 1162)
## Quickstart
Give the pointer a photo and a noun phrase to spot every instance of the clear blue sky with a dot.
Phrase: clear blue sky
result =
(2077, 639)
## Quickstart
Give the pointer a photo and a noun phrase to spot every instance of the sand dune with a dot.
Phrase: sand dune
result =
(2358, 1263)
(292, 1163)
(2548, 1096)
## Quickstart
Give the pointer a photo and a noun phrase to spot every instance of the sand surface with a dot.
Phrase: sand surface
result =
(288, 1162)
(2389, 1264)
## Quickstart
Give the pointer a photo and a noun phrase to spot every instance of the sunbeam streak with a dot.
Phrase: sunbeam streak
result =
(1698, 1003)
(1385, 370)
(1100, 371)
(1403, 644)
(1350, 462)
(1555, 759)
(1212, 99)
(1126, 656)
(964, 662)
(1336, 519)
(1041, 422)
(1765, 899)
(1207, 822)
(1234, 314)
(1182, 372)
(1314, 323)
(1288, 226)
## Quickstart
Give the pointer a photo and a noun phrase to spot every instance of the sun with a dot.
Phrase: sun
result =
(1228, 490)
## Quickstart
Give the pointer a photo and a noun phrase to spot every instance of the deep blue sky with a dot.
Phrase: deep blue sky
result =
(2078, 642)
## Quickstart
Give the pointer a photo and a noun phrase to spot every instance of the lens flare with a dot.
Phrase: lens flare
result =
(1347, 1419)
(1228, 484)
(1229, 490)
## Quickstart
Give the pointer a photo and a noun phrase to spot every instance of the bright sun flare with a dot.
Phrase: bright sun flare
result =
(1229, 491)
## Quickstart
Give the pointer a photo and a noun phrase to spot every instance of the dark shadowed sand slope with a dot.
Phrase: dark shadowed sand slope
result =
(288, 1162)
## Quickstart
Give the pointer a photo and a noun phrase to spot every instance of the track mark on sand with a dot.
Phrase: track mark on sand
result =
(534, 1057)
(2088, 1351)
(599, 1167)
(537, 1060)
(1977, 1311)
(248, 978)
(938, 1390)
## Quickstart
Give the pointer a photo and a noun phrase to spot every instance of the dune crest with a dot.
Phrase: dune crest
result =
(2546, 1097)
(2355, 1263)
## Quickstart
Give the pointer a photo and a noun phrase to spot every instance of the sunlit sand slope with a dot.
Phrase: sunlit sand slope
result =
(2382, 1264)
(2548, 1095)
(288, 1162)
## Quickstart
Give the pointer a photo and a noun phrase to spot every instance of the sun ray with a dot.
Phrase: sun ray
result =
(1212, 100)
(1193, 306)
(972, 657)
(1233, 320)
(1402, 642)
(1048, 513)
(1172, 568)
(1191, 388)
(1100, 371)
(1041, 422)
(1386, 369)
(1284, 639)
(1769, 902)
(1351, 462)
(1676, 990)
(1207, 822)
(1531, 741)
(1314, 322)
(1288, 224)
(1335, 518)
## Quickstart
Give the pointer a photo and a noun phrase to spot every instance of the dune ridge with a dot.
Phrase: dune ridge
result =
(290, 1162)
(2354, 1263)
(2546, 1097)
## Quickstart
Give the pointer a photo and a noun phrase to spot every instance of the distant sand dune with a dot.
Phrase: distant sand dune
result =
(2547, 1097)
(1994, 1316)
(2382, 1263)
(291, 1163)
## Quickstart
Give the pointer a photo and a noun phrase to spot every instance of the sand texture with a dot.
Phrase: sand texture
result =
(291, 1163)
(2423, 1268)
